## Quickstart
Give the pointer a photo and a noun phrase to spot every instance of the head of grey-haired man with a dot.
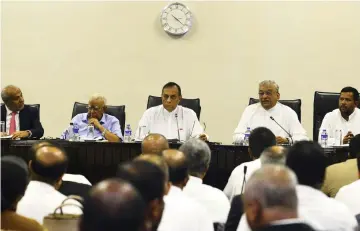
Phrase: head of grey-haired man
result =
(270, 196)
(198, 155)
(268, 94)
(273, 155)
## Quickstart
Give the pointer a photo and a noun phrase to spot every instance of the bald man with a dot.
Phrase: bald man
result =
(270, 200)
(47, 167)
(113, 205)
(181, 212)
(21, 121)
(154, 144)
(273, 155)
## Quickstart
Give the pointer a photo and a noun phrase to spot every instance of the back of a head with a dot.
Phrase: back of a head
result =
(113, 205)
(154, 144)
(307, 160)
(260, 139)
(273, 155)
(156, 160)
(198, 155)
(272, 186)
(49, 163)
(354, 146)
(14, 180)
(146, 177)
(178, 166)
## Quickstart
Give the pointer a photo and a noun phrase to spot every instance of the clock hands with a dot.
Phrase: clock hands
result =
(177, 20)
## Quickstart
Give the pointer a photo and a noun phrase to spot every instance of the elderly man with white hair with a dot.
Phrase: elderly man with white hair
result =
(267, 113)
(198, 156)
(105, 126)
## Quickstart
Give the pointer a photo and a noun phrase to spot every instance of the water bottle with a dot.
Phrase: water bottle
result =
(70, 133)
(76, 132)
(127, 134)
(324, 138)
(246, 136)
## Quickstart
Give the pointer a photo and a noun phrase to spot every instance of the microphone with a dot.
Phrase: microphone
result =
(177, 124)
(244, 180)
(290, 136)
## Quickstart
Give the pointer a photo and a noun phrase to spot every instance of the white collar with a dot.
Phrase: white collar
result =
(174, 190)
(287, 221)
(170, 113)
(195, 180)
(8, 111)
(356, 110)
(44, 186)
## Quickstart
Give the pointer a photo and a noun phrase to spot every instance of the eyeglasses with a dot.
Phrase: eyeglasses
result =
(268, 93)
(93, 108)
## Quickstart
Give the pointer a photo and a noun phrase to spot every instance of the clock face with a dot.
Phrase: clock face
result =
(176, 19)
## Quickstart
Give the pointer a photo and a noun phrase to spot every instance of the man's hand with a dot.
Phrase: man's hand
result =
(348, 137)
(3, 134)
(95, 122)
(20, 134)
(281, 140)
(203, 137)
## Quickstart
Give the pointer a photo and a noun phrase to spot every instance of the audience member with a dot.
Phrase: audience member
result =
(260, 139)
(344, 173)
(198, 156)
(273, 155)
(47, 168)
(113, 205)
(154, 144)
(307, 160)
(14, 180)
(270, 200)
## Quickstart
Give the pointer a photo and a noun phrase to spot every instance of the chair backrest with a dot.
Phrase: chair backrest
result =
(324, 102)
(294, 104)
(193, 104)
(36, 106)
(117, 111)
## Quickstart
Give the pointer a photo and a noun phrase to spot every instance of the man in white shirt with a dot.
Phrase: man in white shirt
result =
(41, 197)
(270, 200)
(346, 118)
(349, 194)
(267, 113)
(260, 139)
(198, 155)
(307, 160)
(170, 119)
(181, 212)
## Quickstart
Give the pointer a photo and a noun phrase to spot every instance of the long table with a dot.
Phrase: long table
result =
(99, 160)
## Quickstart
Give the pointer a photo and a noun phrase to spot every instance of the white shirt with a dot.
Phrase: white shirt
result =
(235, 182)
(350, 196)
(213, 199)
(8, 118)
(76, 178)
(159, 120)
(319, 211)
(334, 121)
(256, 116)
(41, 199)
(183, 213)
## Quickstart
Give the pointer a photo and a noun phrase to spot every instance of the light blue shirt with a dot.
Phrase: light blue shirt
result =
(109, 122)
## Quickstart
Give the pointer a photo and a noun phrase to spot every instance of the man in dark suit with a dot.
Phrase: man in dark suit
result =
(270, 200)
(21, 121)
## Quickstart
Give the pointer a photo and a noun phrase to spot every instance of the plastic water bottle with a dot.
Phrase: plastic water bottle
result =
(324, 138)
(246, 136)
(70, 133)
(76, 132)
(127, 134)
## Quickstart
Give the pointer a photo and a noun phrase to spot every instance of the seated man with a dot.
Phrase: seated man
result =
(22, 121)
(105, 125)
(346, 118)
(154, 144)
(269, 111)
(170, 119)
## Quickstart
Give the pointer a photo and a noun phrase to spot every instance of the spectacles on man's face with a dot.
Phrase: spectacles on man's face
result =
(172, 97)
(93, 108)
(265, 93)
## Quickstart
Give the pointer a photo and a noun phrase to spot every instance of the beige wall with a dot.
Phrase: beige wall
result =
(61, 52)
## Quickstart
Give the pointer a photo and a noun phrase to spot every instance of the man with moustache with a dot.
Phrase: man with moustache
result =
(346, 118)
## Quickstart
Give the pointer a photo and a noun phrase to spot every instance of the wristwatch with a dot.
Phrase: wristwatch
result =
(103, 133)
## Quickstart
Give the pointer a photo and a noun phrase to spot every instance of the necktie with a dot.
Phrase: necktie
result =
(12, 128)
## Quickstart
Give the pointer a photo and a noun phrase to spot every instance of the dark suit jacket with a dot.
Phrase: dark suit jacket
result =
(236, 210)
(287, 227)
(73, 188)
(28, 119)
